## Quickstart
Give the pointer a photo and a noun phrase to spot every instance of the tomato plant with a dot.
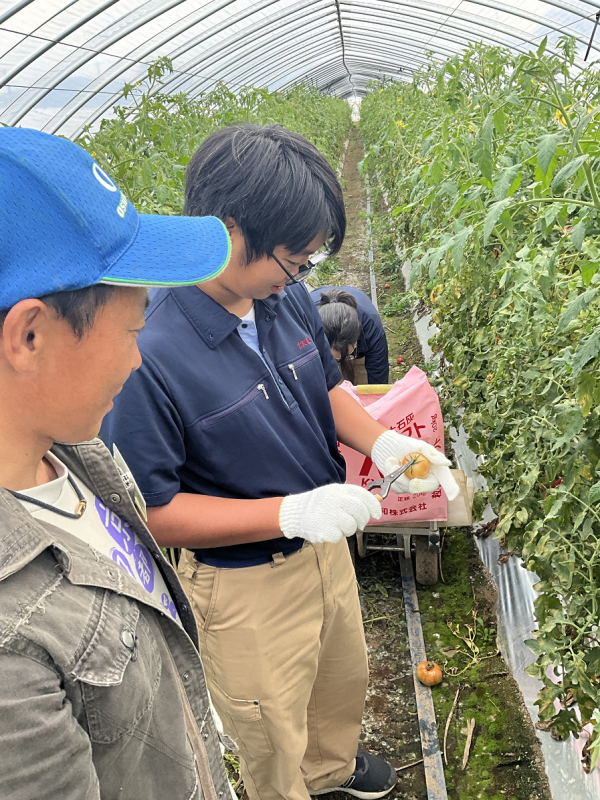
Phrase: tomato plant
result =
(490, 164)
(147, 144)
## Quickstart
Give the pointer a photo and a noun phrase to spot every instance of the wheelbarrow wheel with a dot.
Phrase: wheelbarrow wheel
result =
(426, 562)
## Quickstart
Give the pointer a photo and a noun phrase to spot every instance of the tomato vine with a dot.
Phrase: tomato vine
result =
(147, 144)
(490, 164)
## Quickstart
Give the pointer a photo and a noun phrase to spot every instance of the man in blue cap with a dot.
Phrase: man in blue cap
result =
(102, 692)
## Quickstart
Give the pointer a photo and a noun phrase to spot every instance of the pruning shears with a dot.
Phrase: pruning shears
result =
(385, 484)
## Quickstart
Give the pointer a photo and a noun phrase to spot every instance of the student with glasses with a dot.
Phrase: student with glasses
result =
(231, 426)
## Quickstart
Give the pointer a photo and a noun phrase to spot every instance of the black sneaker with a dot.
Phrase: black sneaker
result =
(372, 778)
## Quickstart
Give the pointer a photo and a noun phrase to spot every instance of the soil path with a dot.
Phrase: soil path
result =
(505, 759)
(353, 258)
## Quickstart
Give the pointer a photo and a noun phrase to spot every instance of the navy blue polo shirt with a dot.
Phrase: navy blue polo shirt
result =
(206, 414)
(372, 342)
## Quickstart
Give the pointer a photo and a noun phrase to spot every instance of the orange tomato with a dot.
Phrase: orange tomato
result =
(429, 673)
(420, 469)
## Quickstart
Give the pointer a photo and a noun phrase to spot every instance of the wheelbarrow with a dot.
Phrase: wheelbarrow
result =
(419, 540)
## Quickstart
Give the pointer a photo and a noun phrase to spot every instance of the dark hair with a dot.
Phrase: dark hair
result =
(78, 307)
(341, 325)
(275, 184)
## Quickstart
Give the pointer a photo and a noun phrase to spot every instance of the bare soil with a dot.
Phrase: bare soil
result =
(350, 267)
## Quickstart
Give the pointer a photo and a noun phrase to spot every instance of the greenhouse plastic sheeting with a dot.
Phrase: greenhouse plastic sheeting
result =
(516, 619)
(63, 64)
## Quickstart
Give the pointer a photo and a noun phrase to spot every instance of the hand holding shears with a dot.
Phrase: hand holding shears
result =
(385, 484)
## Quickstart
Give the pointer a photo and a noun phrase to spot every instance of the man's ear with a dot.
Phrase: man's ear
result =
(24, 334)
(232, 226)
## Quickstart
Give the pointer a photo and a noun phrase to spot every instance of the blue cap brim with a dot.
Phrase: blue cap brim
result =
(172, 251)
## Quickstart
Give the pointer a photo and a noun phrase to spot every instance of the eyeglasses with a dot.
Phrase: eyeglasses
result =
(304, 270)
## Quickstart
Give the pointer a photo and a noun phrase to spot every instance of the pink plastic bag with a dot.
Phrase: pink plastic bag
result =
(412, 408)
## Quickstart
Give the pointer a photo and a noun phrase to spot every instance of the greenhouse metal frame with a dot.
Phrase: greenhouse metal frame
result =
(63, 65)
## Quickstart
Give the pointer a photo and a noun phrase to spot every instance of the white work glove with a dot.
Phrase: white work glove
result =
(327, 513)
(391, 448)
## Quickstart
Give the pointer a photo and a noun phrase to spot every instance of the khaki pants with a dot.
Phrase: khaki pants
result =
(285, 658)
(360, 372)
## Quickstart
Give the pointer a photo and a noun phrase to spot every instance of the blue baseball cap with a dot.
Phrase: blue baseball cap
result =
(65, 224)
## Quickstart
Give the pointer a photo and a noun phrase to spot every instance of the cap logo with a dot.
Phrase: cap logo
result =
(122, 207)
(103, 178)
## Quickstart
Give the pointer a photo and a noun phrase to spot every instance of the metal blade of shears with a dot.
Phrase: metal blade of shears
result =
(385, 484)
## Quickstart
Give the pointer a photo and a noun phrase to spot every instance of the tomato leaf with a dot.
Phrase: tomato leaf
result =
(436, 171)
(571, 422)
(575, 307)
(458, 246)
(492, 218)
(587, 350)
(483, 159)
(486, 130)
(594, 494)
(584, 392)
(556, 507)
(550, 213)
(500, 121)
(595, 750)
(592, 659)
(588, 269)
(583, 123)
(547, 148)
(542, 47)
(534, 646)
(434, 258)
(505, 181)
(568, 170)
(563, 570)
(578, 234)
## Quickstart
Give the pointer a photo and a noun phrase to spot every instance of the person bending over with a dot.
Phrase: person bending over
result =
(365, 359)
(231, 425)
(342, 327)
(102, 693)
